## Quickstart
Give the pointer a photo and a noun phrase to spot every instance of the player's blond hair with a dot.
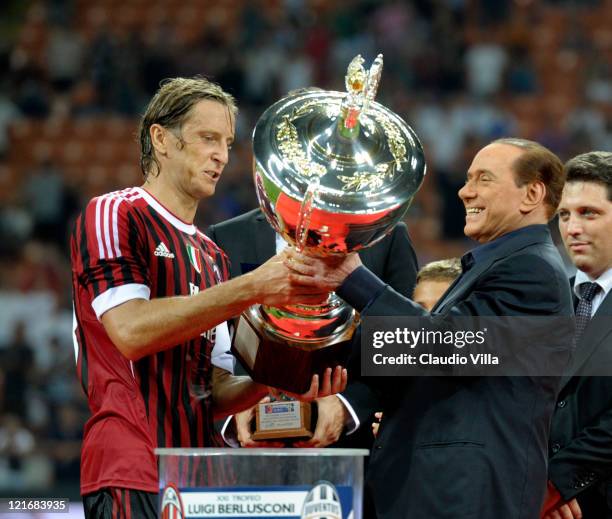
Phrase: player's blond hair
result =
(169, 108)
(442, 270)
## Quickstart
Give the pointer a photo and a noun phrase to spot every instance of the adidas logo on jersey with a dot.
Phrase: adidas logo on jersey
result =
(163, 251)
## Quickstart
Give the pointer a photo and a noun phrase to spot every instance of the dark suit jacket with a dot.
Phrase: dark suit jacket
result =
(581, 435)
(459, 447)
(249, 240)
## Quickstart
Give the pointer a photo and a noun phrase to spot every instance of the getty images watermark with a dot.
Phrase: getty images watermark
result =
(467, 346)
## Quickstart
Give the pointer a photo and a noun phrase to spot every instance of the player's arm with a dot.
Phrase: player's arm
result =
(140, 327)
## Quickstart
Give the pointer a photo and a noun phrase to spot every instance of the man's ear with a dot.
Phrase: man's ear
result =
(159, 139)
(534, 196)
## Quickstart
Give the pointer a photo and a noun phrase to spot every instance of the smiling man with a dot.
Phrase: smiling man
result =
(452, 447)
(580, 465)
(150, 302)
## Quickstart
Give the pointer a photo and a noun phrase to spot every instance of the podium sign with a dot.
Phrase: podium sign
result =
(263, 483)
(287, 502)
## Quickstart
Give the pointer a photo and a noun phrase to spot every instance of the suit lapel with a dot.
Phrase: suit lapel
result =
(595, 332)
(265, 239)
(457, 291)
(461, 285)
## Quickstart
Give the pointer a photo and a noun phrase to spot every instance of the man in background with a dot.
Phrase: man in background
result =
(433, 280)
(580, 448)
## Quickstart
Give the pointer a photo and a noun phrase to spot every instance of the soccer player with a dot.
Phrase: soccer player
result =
(149, 296)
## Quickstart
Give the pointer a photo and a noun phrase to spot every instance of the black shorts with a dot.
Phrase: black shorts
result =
(120, 503)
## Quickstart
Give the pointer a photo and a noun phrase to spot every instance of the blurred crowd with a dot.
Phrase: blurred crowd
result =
(77, 74)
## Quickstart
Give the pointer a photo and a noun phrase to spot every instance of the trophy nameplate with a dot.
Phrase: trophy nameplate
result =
(283, 419)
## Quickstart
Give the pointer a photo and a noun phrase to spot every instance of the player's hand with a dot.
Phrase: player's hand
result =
(330, 423)
(326, 274)
(375, 425)
(243, 422)
(272, 285)
(569, 510)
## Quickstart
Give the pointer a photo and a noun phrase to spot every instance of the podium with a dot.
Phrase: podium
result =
(264, 483)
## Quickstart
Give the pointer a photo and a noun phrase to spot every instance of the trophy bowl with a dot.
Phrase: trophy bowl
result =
(334, 172)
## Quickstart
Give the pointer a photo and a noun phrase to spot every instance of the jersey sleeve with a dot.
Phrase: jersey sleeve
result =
(109, 253)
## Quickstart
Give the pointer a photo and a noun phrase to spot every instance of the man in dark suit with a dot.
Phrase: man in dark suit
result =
(470, 447)
(249, 241)
(580, 465)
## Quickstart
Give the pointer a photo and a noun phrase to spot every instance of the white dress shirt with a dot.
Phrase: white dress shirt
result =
(604, 281)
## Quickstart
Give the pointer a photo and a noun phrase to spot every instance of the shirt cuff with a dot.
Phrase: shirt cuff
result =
(229, 433)
(118, 295)
(352, 423)
(360, 288)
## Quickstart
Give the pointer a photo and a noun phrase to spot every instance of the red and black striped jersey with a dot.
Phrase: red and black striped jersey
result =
(126, 245)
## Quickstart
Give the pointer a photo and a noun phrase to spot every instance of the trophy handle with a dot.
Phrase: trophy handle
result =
(303, 223)
(373, 81)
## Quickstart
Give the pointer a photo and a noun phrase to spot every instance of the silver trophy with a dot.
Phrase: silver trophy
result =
(334, 172)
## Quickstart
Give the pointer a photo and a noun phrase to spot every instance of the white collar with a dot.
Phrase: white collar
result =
(280, 243)
(167, 215)
(604, 281)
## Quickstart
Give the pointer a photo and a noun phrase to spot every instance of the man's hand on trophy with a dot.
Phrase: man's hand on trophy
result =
(243, 422)
(323, 273)
(332, 416)
(273, 286)
(332, 382)
(376, 425)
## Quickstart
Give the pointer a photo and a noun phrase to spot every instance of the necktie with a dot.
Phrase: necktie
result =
(584, 308)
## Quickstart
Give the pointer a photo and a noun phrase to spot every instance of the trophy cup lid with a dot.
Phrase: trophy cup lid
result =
(342, 153)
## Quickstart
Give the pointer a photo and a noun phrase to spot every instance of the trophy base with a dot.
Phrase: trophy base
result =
(283, 420)
(283, 364)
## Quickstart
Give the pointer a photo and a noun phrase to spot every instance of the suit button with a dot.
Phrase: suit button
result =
(378, 447)
(561, 403)
(556, 447)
